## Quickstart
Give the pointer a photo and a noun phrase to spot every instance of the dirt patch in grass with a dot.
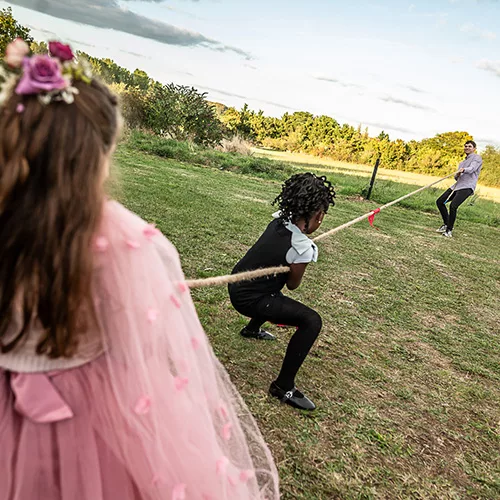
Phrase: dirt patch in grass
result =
(250, 198)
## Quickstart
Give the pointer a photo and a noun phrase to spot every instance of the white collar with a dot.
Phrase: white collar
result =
(300, 241)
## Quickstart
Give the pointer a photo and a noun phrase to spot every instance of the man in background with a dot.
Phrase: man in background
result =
(466, 177)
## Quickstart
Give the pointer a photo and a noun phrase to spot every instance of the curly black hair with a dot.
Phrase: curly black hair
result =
(303, 195)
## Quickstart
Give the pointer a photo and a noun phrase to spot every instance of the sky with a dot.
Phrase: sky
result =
(413, 69)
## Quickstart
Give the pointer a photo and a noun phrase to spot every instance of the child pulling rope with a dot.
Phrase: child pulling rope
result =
(279, 258)
(234, 278)
(303, 204)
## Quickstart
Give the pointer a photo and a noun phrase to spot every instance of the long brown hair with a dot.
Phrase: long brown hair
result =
(51, 198)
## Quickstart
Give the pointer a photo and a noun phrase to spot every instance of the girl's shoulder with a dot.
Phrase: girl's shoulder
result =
(304, 249)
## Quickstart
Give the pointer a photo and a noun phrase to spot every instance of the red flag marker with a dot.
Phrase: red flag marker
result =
(372, 216)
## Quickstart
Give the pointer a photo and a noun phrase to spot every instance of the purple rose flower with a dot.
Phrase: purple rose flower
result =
(61, 51)
(41, 74)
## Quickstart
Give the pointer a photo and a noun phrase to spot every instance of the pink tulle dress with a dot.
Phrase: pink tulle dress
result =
(144, 411)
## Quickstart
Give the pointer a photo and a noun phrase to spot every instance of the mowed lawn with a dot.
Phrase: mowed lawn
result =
(406, 372)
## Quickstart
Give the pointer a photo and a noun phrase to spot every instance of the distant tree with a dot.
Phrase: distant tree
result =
(383, 136)
(441, 153)
(490, 173)
(394, 154)
(219, 108)
(231, 119)
(245, 127)
(450, 143)
(133, 104)
(140, 79)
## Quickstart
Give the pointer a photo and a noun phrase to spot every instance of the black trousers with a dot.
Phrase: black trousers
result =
(279, 309)
(457, 198)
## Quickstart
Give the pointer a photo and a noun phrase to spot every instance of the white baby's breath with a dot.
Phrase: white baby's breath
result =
(7, 87)
(66, 95)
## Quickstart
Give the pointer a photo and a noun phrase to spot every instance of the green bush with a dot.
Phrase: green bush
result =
(132, 103)
(188, 152)
(182, 113)
(172, 111)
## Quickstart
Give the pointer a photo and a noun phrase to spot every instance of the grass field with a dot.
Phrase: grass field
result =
(406, 372)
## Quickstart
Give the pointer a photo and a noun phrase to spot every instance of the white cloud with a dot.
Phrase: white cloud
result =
(441, 18)
(404, 102)
(477, 32)
(491, 66)
(337, 81)
(413, 89)
(110, 14)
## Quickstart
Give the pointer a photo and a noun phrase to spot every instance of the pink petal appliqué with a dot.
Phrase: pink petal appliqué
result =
(183, 288)
(101, 244)
(226, 431)
(195, 343)
(150, 231)
(134, 245)
(152, 315)
(143, 405)
(221, 466)
(223, 411)
(179, 492)
(183, 366)
(157, 480)
(181, 383)
(175, 301)
(246, 475)
(232, 481)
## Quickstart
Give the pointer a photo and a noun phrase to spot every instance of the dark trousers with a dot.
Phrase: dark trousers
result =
(456, 199)
(282, 310)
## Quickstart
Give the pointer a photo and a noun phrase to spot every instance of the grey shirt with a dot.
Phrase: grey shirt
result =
(468, 179)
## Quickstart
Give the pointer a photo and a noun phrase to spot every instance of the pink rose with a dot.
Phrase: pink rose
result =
(16, 51)
(61, 51)
(41, 74)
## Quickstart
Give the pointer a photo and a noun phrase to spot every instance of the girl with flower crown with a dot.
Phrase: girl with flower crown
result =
(109, 388)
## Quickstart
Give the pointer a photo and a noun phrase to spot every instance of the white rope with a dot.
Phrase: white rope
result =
(387, 205)
(259, 273)
(234, 278)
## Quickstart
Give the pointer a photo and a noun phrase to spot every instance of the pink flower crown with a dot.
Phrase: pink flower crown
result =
(50, 77)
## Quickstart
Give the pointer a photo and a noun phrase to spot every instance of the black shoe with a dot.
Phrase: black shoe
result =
(261, 334)
(293, 398)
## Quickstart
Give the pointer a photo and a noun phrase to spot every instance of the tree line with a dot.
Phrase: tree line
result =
(324, 136)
